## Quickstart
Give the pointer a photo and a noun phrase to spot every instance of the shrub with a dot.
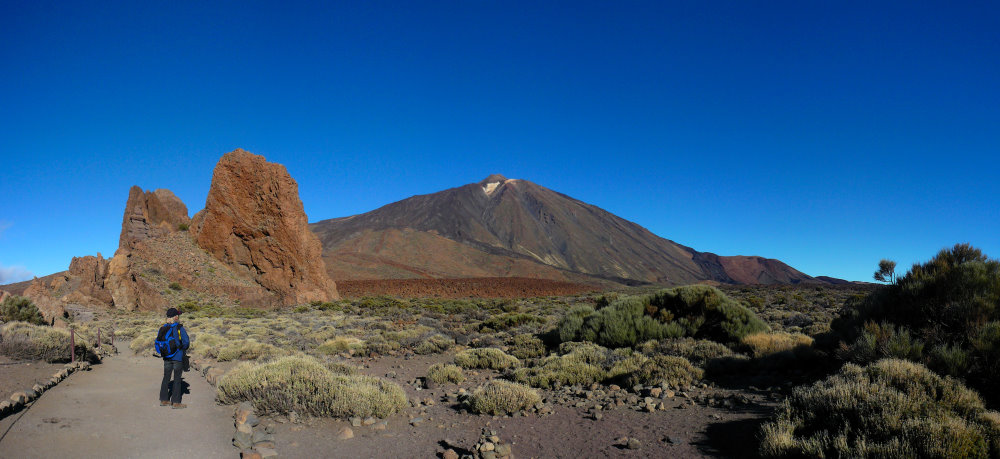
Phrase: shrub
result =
(174, 286)
(248, 349)
(579, 363)
(442, 373)
(22, 340)
(304, 385)
(527, 347)
(891, 408)
(489, 357)
(182, 226)
(697, 351)
(205, 344)
(20, 309)
(697, 310)
(502, 397)
(946, 305)
(340, 344)
(671, 370)
(762, 344)
(435, 344)
(143, 341)
(510, 320)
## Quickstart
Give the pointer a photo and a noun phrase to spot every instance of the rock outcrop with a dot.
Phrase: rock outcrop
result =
(50, 306)
(88, 273)
(255, 223)
(150, 214)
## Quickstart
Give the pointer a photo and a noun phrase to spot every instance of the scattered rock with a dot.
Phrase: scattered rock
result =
(267, 452)
(250, 454)
(633, 443)
(355, 421)
(449, 454)
(345, 433)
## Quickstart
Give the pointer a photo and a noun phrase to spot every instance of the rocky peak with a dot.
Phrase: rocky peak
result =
(254, 222)
(149, 214)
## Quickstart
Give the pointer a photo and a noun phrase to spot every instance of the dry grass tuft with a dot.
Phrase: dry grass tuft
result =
(491, 358)
(502, 397)
(304, 385)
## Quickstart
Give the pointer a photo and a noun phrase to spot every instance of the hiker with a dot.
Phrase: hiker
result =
(171, 342)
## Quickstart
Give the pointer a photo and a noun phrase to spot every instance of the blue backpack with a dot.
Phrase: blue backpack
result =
(168, 340)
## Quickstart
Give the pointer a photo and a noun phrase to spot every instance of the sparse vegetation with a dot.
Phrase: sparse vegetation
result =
(22, 340)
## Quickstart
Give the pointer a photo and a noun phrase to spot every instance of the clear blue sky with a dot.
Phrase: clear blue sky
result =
(825, 134)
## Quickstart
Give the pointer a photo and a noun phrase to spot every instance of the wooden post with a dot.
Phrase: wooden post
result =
(72, 346)
(98, 338)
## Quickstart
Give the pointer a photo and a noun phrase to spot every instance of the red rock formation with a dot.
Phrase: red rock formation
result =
(150, 214)
(50, 306)
(88, 274)
(254, 222)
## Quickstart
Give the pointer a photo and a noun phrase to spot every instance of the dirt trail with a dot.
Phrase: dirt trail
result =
(113, 411)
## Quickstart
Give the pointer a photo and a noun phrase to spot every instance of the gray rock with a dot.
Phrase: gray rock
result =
(243, 440)
(267, 452)
(355, 421)
(261, 436)
(368, 421)
(634, 443)
(673, 439)
(503, 450)
(416, 421)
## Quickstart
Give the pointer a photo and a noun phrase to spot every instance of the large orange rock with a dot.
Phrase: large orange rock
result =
(149, 214)
(254, 222)
(89, 274)
(50, 306)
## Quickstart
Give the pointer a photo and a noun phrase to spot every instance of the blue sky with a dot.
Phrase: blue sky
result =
(825, 134)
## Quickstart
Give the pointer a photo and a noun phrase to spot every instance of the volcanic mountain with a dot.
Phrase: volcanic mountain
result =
(504, 227)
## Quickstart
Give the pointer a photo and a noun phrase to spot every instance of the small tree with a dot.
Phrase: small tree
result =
(886, 271)
(19, 308)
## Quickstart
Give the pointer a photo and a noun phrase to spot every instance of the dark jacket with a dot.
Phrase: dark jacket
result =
(185, 343)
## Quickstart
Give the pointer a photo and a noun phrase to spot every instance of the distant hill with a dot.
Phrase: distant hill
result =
(516, 228)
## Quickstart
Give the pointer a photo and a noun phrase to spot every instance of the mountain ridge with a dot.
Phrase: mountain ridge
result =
(519, 220)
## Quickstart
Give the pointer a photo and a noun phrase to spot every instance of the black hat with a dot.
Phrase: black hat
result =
(172, 312)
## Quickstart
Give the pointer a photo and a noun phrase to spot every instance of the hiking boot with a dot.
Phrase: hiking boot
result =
(178, 406)
(164, 402)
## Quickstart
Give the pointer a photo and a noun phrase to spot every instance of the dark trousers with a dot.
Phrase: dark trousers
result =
(176, 367)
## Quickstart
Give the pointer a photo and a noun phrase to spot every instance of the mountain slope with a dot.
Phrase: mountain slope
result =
(486, 227)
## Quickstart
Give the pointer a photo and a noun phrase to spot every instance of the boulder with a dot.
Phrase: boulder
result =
(254, 222)
(49, 306)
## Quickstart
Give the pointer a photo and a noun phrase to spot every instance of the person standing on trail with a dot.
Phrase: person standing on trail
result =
(174, 362)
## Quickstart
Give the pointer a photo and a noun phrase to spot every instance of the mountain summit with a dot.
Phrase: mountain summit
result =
(511, 227)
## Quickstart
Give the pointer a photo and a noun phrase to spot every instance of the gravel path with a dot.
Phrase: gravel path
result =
(113, 411)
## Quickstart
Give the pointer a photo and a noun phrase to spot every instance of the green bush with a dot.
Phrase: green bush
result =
(698, 311)
(175, 286)
(492, 358)
(948, 306)
(304, 385)
(442, 373)
(502, 397)
(20, 309)
(891, 408)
